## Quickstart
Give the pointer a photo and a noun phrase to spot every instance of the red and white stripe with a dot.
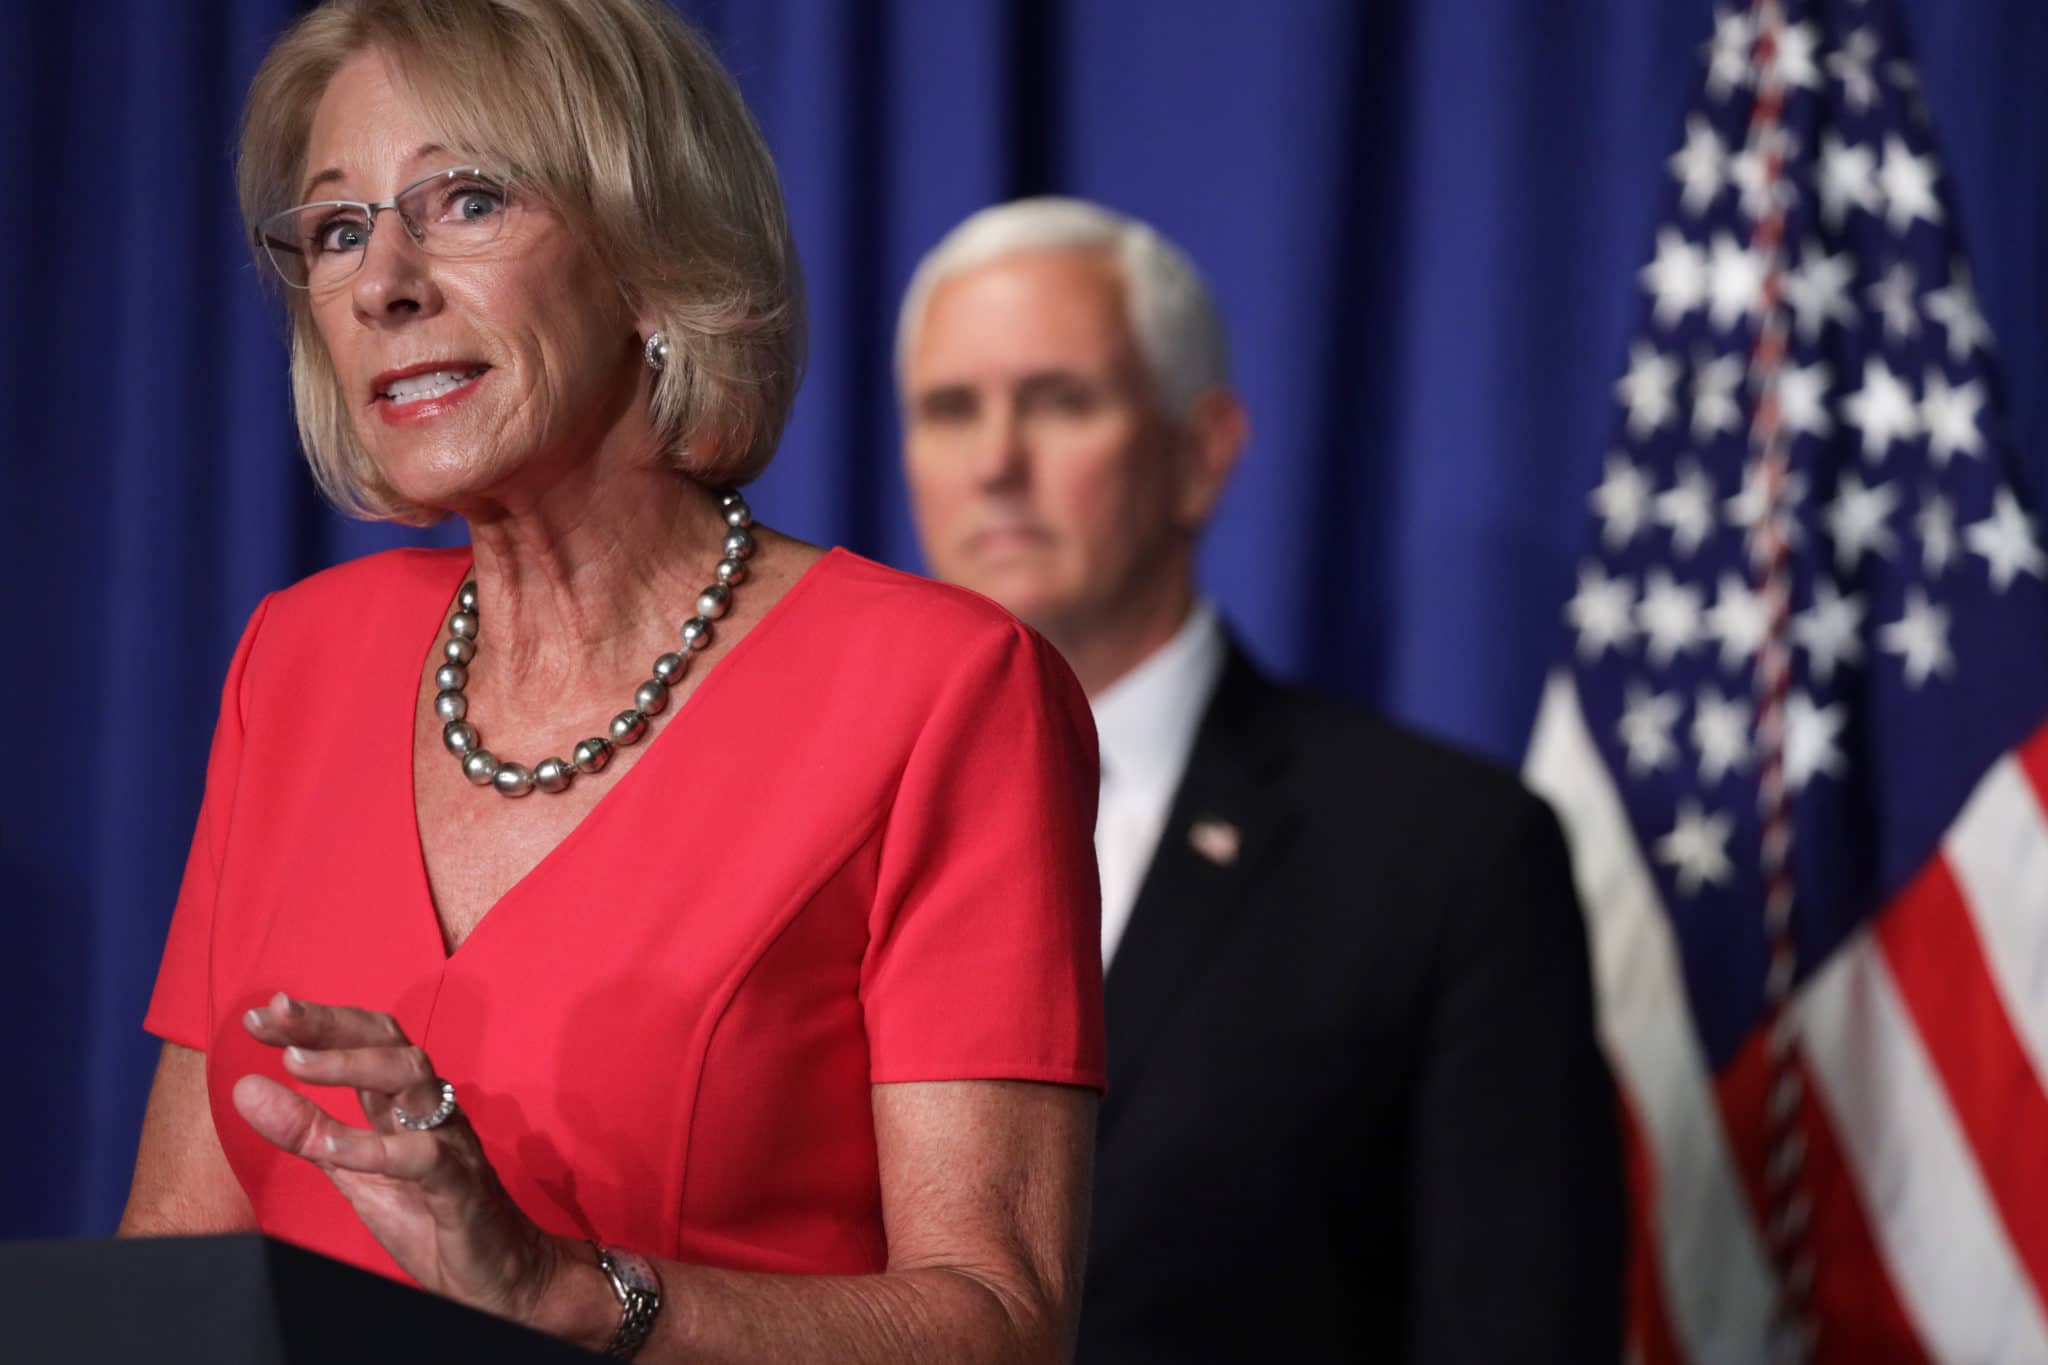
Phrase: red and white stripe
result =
(1924, 1041)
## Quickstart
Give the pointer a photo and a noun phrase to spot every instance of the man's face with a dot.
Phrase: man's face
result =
(1042, 472)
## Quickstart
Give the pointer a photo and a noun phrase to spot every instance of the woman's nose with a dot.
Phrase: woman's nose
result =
(395, 281)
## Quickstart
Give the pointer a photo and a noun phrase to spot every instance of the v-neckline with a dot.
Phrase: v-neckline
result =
(657, 746)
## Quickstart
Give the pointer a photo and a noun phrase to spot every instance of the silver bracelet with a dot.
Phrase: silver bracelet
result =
(639, 1290)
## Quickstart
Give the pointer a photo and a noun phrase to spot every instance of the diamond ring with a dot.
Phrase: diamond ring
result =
(442, 1112)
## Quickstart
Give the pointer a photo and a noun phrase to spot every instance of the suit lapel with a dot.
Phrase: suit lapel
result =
(1227, 817)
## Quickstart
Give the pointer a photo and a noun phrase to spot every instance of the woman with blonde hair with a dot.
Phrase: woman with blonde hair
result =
(743, 1004)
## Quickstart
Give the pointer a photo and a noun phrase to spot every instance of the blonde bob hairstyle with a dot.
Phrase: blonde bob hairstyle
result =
(623, 121)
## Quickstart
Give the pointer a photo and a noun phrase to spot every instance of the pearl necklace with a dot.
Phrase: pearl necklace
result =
(552, 775)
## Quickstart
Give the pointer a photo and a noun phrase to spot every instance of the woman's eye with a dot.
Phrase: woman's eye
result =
(474, 204)
(339, 234)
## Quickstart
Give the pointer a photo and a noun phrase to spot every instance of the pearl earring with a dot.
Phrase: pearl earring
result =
(657, 351)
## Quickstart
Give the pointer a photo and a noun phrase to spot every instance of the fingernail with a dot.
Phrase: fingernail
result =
(297, 1056)
(254, 1018)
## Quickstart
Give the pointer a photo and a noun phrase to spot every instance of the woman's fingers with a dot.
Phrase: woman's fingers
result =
(283, 1021)
(402, 1156)
(341, 1045)
(403, 1071)
(283, 1116)
(380, 1076)
(299, 1126)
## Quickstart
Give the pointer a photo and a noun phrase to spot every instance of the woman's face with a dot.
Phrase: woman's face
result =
(518, 361)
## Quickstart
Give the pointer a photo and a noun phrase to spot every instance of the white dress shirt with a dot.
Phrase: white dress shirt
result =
(1145, 724)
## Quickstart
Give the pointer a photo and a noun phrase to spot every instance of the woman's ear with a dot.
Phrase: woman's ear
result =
(641, 311)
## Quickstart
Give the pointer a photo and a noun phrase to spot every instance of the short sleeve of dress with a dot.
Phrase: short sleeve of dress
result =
(984, 948)
(178, 1008)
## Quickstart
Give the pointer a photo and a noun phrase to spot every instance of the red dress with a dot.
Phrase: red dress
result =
(860, 852)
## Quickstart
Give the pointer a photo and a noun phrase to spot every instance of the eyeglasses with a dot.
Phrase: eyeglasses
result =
(454, 212)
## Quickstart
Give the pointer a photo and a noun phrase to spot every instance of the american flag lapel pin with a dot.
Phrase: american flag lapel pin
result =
(1216, 840)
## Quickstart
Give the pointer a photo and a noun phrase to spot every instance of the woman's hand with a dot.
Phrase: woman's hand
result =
(429, 1198)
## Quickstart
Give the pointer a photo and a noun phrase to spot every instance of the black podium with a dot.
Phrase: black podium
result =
(242, 1300)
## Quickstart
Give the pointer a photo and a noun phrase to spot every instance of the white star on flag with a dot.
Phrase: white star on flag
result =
(2006, 540)
(1857, 520)
(1687, 508)
(1646, 390)
(1738, 619)
(1850, 64)
(1700, 167)
(1714, 406)
(1920, 639)
(1720, 731)
(1935, 523)
(1847, 179)
(1669, 616)
(1622, 501)
(1908, 185)
(1883, 409)
(1646, 722)
(1791, 57)
(1811, 736)
(1728, 53)
(1696, 849)
(1735, 281)
(1950, 416)
(1818, 290)
(1676, 278)
(1803, 399)
(1602, 611)
(1830, 631)
(1955, 308)
(1894, 297)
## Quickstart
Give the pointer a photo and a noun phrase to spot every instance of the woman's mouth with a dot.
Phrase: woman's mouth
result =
(432, 384)
(426, 393)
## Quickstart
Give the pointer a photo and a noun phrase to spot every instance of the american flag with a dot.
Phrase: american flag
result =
(1798, 741)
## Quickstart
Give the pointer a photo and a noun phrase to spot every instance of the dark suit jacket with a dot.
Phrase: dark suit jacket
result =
(1356, 1110)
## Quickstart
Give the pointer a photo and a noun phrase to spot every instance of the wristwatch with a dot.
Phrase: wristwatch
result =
(639, 1290)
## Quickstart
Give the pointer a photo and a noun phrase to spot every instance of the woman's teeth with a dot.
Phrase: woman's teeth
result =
(415, 387)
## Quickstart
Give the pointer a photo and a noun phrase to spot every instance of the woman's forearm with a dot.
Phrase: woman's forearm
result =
(933, 1313)
(182, 1181)
(986, 1186)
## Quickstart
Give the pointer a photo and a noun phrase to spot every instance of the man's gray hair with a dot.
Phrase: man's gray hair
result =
(1172, 316)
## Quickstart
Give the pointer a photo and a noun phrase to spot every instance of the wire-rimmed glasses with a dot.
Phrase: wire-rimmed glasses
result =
(450, 213)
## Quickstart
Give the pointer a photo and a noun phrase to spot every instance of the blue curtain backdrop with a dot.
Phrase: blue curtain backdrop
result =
(1423, 219)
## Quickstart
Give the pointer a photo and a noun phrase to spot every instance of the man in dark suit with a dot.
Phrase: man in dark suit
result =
(1355, 1109)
